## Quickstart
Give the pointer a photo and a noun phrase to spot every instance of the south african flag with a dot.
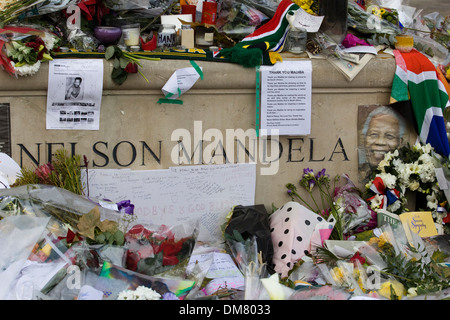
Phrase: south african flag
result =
(418, 80)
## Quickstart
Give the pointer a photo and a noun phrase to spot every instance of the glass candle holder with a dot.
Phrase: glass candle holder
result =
(296, 41)
(131, 34)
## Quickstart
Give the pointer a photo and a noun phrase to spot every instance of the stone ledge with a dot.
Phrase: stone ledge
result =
(378, 73)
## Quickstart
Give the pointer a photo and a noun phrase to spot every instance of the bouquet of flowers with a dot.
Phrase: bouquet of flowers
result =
(156, 250)
(23, 49)
(344, 203)
(407, 168)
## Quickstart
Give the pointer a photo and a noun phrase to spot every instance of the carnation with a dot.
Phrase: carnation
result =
(27, 69)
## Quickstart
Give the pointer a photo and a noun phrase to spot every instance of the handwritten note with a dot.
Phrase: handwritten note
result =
(178, 194)
(223, 271)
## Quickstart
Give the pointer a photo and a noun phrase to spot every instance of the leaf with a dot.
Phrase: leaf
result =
(238, 236)
(88, 222)
(151, 265)
(107, 226)
(109, 52)
(116, 63)
(123, 63)
(119, 76)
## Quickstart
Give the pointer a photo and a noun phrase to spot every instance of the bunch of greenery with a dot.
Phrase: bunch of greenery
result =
(63, 171)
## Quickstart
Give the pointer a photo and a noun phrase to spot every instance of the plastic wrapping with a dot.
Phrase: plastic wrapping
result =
(238, 20)
(82, 41)
(357, 215)
(367, 23)
(160, 249)
(252, 221)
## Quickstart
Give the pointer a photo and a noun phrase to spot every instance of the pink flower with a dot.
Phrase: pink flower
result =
(43, 172)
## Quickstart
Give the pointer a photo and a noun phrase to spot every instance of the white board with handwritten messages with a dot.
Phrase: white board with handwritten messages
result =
(179, 194)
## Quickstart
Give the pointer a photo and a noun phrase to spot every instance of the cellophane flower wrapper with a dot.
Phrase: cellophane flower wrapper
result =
(18, 236)
(248, 258)
(357, 215)
(114, 279)
(238, 20)
(49, 201)
(249, 223)
(198, 270)
(324, 292)
(155, 250)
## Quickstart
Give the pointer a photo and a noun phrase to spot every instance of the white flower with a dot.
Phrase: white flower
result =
(395, 206)
(27, 69)
(389, 180)
(414, 185)
(375, 203)
(49, 40)
(432, 201)
(141, 293)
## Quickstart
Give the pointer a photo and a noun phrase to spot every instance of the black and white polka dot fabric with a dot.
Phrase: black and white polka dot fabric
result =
(295, 230)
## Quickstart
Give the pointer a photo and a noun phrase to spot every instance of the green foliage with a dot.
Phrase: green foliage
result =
(426, 276)
(63, 172)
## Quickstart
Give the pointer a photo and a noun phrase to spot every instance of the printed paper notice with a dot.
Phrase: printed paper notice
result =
(74, 94)
(286, 98)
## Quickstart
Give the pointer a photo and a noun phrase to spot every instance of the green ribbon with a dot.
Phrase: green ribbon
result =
(258, 100)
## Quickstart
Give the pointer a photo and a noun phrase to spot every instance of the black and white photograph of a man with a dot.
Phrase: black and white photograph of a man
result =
(74, 88)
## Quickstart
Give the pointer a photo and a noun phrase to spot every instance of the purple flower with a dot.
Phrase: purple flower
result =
(308, 180)
(322, 176)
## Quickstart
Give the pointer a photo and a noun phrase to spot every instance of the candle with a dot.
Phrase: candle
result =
(131, 34)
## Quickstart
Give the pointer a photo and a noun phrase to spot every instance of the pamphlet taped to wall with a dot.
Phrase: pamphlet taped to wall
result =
(74, 94)
(286, 97)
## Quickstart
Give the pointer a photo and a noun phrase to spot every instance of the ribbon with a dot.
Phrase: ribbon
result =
(389, 196)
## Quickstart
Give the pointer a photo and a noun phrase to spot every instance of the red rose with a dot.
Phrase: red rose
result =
(131, 67)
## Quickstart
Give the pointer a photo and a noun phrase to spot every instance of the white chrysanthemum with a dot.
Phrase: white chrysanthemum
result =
(126, 295)
(141, 293)
(427, 173)
(26, 69)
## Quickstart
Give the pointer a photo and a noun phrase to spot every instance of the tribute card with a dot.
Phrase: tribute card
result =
(286, 97)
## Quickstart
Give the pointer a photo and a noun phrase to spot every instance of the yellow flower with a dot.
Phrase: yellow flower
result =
(374, 241)
(385, 289)
(383, 240)
(337, 275)
(359, 278)
(305, 5)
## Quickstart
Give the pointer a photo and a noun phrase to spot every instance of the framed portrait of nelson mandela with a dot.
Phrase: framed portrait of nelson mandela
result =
(381, 129)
